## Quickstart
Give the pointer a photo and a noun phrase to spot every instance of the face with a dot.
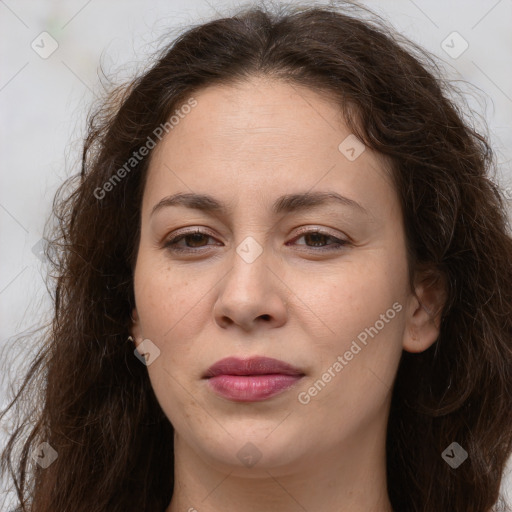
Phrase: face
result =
(320, 285)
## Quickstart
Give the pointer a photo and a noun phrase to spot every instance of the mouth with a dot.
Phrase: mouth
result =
(251, 380)
(251, 367)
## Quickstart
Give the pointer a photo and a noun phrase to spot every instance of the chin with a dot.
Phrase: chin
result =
(250, 454)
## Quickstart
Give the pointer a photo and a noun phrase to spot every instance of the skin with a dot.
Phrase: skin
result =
(246, 145)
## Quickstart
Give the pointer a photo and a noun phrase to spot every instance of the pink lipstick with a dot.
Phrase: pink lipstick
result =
(251, 380)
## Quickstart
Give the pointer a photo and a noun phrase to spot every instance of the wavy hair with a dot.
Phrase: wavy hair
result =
(91, 399)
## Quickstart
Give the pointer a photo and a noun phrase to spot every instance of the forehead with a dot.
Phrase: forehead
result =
(249, 139)
(259, 114)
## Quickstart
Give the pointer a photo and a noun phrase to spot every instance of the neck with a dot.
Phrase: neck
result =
(350, 477)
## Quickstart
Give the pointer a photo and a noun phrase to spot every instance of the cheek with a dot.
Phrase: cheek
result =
(167, 298)
(361, 312)
(349, 297)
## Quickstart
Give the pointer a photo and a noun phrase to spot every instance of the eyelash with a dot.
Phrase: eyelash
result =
(171, 244)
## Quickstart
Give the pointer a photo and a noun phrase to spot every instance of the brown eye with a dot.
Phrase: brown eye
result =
(193, 240)
(316, 239)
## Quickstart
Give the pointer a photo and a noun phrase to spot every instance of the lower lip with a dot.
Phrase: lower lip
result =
(251, 388)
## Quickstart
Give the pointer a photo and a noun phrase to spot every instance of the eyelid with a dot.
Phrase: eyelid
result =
(321, 230)
(301, 230)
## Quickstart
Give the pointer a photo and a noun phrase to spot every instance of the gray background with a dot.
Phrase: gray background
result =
(44, 100)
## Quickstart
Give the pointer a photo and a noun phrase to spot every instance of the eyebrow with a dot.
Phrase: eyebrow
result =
(283, 204)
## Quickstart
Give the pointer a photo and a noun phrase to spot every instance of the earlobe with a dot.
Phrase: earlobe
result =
(423, 322)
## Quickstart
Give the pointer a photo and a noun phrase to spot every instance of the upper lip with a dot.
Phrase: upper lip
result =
(251, 366)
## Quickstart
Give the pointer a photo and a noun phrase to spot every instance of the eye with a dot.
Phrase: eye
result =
(193, 241)
(195, 237)
(317, 237)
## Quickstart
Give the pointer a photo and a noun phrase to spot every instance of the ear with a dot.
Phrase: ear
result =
(423, 320)
(135, 329)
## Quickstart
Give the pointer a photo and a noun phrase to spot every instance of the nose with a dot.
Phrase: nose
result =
(251, 295)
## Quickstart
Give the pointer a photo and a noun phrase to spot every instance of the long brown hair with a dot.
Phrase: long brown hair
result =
(91, 399)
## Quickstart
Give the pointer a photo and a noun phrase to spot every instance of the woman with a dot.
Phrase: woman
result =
(284, 281)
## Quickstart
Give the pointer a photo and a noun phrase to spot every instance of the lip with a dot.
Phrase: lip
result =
(251, 380)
